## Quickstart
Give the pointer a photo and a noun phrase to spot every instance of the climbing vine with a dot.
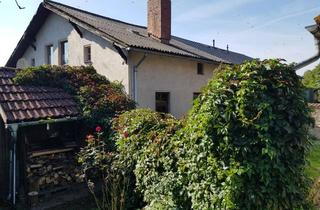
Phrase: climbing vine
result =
(242, 146)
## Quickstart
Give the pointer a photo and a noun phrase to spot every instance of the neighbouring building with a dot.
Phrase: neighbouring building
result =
(158, 70)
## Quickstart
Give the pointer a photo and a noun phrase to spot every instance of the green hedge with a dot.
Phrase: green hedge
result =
(243, 145)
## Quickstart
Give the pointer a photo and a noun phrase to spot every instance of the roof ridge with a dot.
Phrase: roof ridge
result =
(207, 45)
(91, 13)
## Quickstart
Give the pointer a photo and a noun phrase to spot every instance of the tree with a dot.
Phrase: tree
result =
(311, 78)
(18, 5)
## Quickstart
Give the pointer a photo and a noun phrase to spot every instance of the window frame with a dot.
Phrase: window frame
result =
(168, 103)
(87, 54)
(196, 95)
(200, 69)
(33, 62)
(63, 52)
(49, 54)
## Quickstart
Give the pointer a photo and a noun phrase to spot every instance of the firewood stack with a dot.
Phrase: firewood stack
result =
(48, 171)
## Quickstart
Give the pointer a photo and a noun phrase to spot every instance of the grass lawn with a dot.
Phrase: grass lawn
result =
(313, 171)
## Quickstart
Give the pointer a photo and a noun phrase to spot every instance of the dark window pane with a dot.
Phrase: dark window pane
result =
(33, 62)
(87, 54)
(64, 52)
(162, 102)
(195, 95)
(49, 53)
(200, 68)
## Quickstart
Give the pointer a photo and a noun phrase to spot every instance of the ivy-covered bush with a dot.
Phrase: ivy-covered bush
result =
(245, 140)
(243, 145)
(98, 98)
(145, 147)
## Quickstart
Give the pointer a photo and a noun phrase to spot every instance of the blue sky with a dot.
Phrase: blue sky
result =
(258, 28)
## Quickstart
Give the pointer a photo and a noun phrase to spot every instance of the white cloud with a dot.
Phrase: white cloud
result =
(211, 9)
(285, 17)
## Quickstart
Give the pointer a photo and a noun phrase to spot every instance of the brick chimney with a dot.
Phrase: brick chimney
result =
(317, 19)
(159, 19)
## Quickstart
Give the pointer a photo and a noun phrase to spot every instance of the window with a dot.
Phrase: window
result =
(87, 54)
(33, 62)
(64, 47)
(49, 54)
(162, 102)
(196, 95)
(200, 68)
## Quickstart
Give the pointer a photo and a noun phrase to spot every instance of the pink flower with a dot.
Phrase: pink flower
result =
(125, 134)
(98, 129)
(89, 138)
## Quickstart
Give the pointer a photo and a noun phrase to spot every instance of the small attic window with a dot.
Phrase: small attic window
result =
(49, 54)
(87, 54)
(33, 62)
(200, 69)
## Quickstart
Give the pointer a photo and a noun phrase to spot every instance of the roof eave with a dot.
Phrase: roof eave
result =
(84, 25)
(42, 121)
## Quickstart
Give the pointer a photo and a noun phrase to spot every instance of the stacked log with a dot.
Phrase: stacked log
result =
(47, 171)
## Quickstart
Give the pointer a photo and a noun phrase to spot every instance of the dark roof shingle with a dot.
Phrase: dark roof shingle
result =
(137, 36)
(125, 34)
(30, 103)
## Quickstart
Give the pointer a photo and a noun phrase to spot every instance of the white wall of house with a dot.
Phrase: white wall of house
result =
(105, 59)
(178, 76)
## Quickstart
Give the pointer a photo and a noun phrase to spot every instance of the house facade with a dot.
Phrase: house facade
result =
(158, 70)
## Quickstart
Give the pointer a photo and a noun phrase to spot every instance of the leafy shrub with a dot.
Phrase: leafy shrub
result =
(243, 145)
(144, 144)
(245, 140)
(109, 182)
(99, 99)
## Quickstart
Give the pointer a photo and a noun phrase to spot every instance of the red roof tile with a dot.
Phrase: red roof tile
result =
(30, 103)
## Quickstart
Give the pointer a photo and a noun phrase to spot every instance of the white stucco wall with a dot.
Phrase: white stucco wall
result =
(169, 74)
(156, 74)
(105, 59)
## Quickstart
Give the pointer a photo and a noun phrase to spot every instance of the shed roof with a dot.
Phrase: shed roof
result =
(128, 36)
(29, 103)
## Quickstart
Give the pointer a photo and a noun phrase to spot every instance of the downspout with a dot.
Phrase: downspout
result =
(135, 78)
(13, 128)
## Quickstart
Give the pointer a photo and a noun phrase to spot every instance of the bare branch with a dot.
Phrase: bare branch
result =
(20, 7)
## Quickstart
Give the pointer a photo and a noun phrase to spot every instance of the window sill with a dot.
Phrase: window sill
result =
(89, 63)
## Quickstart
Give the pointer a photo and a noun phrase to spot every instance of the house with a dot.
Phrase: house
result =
(158, 70)
(315, 31)
(37, 124)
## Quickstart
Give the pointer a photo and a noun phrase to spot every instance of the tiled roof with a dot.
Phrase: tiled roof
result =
(29, 103)
(128, 36)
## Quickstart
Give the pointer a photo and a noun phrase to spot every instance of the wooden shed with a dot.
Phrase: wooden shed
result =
(39, 137)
